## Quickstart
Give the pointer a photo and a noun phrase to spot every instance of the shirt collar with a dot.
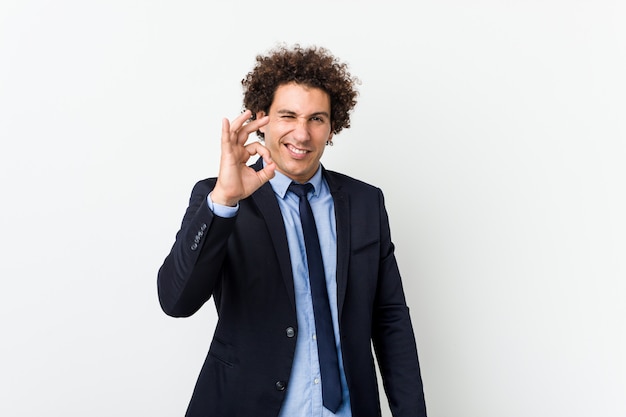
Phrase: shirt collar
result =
(280, 183)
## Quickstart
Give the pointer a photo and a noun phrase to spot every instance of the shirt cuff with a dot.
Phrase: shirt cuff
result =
(220, 210)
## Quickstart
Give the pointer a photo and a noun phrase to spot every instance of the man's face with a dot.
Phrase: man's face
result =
(298, 128)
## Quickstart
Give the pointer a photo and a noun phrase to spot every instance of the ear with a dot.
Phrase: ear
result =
(259, 115)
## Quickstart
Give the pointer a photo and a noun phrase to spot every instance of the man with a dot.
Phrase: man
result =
(304, 279)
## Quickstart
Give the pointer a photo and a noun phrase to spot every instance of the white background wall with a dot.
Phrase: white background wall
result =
(496, 129)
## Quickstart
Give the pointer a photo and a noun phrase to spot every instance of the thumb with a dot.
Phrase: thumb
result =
(268, 172)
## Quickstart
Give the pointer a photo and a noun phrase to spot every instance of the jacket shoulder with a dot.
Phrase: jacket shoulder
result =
(203, 185)
(339, 181)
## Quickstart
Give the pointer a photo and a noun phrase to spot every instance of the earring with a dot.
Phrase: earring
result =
(329, 142)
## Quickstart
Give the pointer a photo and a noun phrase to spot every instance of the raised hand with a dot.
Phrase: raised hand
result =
(236, 180)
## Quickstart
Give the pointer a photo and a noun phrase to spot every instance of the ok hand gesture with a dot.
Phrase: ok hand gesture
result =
(236, 180)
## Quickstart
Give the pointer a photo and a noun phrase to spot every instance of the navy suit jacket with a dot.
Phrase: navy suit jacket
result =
(244, 264)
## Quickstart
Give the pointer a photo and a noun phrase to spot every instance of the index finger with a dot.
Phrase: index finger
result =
(250, 127)
(240, 120)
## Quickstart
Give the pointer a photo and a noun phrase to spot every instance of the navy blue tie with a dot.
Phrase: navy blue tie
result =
(325, 335)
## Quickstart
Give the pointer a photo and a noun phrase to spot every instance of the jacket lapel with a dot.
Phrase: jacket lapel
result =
(265, 200)
(342, 217)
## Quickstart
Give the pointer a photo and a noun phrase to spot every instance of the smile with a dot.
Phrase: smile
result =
(296, 150)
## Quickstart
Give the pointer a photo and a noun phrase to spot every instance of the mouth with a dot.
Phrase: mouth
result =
(296, 151)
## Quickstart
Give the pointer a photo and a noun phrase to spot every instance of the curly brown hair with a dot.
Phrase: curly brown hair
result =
(313, 67)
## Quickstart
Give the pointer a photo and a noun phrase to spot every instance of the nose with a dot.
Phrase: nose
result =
(301, 130)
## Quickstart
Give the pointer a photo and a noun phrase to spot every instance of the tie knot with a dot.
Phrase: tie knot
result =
(301, 190)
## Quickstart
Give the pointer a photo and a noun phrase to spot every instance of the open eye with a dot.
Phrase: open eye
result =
(318, 119)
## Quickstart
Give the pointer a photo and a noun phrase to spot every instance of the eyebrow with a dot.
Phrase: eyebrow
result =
(293, 113)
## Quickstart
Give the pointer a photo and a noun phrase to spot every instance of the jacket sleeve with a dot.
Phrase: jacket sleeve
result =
(191, 272)
(393, 337)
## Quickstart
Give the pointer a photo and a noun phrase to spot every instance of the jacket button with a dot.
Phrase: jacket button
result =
(281, 385)
(290, 332)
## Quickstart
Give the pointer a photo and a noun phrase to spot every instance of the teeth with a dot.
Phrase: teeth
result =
(296, 150)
